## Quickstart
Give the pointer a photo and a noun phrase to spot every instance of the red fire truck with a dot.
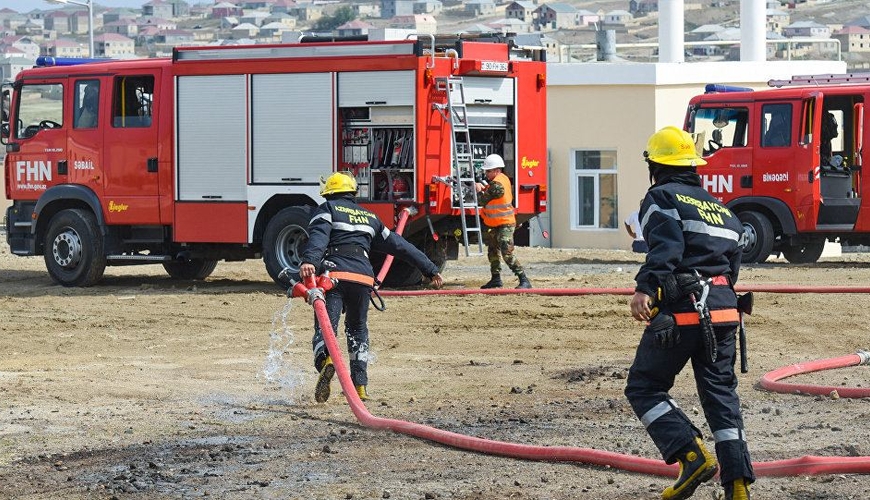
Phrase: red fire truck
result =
(217, 152)
(788, 162)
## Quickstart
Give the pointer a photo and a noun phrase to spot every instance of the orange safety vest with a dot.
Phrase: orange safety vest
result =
(500, 211)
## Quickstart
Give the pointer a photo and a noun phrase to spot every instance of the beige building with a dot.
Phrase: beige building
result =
(599, 116)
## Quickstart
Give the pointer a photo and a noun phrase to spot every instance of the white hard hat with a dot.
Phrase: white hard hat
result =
(492, 161)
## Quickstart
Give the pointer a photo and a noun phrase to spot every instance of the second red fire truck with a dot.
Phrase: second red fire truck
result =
(217, 153)
(788, 161)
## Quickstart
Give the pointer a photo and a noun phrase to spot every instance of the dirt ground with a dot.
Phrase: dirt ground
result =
(145, 387)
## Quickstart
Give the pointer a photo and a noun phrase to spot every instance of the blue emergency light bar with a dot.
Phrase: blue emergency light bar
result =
(46, 61)
(717, 87)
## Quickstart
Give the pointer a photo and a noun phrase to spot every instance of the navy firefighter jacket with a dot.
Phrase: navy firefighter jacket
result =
(688, 230)
(341, 233)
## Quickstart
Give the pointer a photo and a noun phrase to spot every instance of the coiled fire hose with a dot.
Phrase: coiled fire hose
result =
(313, 292)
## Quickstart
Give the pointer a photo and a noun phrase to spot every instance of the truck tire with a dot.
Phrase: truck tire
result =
(805, 252)
(285, 237)
(401, 274)
(74, 248)
(759, 236)
(193, 269)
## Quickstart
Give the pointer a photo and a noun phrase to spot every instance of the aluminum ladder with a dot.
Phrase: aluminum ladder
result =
(462, 171)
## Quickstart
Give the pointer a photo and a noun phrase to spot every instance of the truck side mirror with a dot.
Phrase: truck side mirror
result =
(4, 132)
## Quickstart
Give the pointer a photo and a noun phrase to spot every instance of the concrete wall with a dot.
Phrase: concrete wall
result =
(617, 106)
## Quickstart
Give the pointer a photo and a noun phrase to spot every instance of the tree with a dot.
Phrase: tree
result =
(341, 16)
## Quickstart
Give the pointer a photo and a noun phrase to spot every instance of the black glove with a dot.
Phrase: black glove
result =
(666, 333)
(688, 283)
(677, 287)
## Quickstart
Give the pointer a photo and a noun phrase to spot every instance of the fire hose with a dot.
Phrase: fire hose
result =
(313, 292)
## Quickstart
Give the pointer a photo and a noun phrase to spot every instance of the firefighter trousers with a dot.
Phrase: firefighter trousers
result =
(499, 242)
(651, 377)
(353, 298)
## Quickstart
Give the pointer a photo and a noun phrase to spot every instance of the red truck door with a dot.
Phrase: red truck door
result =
(37, 146)
(131, 148)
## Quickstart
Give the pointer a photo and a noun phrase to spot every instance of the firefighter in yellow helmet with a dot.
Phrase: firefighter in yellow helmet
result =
(496, 198)
(341, 234)
(685, 293)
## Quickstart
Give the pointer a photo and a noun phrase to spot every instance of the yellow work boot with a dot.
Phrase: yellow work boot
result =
(697, 465)
(737, 489)
(361, 392)
(321, 390)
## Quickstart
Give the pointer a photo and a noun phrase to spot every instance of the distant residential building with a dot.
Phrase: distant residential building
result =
(433, 7)
(255, 17)
(66, 48)
(853, 39)
(353, 28)
(618, 17)
(57, 20)
(245, 30)
(11, 66)
(282, 6)
(78, 22)
(555, 16)
(308, 12)
(810, 29)
(777, 20)
(24, 46)
(180, 8)
(174, 37)
(126, 27)
(113, 15)
(421, 23)
(113, 45)
(226, 9)
(157, 8)
(479, 8)
(394, 8)
(366, 9)
(703, 32)
(643, 7)
(587, 18)
(31, 27)
(522, 10)
(273, 31)
(159, 23)
(288, 21)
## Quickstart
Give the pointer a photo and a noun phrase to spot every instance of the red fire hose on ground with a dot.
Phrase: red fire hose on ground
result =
(807, 465)
(771, 380)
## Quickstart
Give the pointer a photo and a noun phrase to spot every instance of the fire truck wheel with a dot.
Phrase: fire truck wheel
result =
(193, 269)
(285, 237)
(401, 273)
(74, 248)
(805, 252)
(759, 236)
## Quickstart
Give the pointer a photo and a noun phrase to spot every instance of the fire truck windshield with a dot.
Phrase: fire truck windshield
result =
(715, 128)
(39, 107)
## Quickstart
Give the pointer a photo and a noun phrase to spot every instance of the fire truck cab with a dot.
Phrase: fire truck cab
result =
(218, 152)
(788, 162)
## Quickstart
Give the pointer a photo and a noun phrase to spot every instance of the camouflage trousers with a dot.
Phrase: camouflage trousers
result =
(500, 240)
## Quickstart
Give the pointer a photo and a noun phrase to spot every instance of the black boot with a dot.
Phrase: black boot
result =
(494, 282)
(524, 282)
(697, 465)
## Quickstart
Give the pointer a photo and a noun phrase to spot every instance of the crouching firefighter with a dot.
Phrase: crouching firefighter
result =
(685, 291)
(341, 233)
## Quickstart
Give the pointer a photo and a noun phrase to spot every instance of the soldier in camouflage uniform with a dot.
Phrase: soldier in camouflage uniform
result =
(496, 198)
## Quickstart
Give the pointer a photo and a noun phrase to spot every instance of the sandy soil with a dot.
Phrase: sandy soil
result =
(146, 387)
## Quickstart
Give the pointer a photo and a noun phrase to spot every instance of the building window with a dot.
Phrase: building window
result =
(593, 189)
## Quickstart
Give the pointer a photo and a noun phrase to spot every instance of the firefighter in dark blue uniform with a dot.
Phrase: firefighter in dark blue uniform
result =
(685, 290)
(341, 233)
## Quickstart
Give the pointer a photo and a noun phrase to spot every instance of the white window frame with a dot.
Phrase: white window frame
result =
(574, 196)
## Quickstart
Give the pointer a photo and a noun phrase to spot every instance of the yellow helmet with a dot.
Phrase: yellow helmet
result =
(339, 182)
(673, 147)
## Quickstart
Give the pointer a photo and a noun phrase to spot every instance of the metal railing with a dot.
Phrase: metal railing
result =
(789, 43)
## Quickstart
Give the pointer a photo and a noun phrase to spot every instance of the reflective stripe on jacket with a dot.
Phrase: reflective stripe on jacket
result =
(500, 211)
